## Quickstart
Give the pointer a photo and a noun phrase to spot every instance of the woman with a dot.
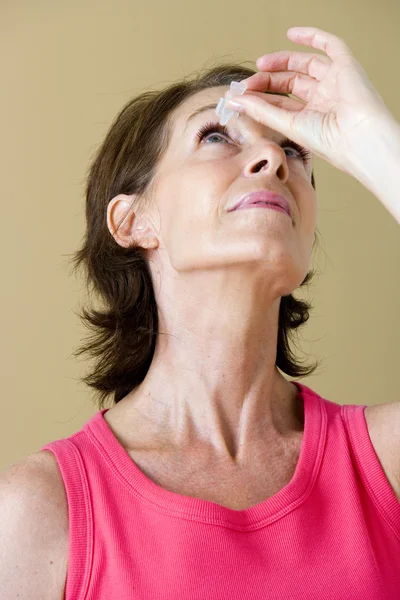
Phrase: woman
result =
(212, 476)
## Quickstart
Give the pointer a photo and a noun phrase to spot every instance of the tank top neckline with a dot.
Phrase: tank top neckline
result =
(162, 500)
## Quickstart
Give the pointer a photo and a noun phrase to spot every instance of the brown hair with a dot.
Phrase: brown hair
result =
(124, 332)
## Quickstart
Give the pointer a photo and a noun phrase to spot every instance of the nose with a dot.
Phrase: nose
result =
(271, 160)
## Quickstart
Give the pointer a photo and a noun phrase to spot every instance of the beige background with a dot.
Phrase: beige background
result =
(67, 68)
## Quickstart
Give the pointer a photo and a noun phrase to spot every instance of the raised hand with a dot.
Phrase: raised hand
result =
(337, 98)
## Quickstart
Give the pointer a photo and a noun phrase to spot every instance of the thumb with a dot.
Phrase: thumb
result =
(265, 111)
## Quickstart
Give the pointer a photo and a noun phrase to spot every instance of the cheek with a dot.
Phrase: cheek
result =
(204, 188)
(182, 219)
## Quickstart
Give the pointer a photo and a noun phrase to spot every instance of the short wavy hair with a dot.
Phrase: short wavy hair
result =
(123, 332)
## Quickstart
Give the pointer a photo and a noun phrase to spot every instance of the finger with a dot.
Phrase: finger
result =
(280, 101)
(266, 113)
(331, 44)
(314, 65)
(299, 85)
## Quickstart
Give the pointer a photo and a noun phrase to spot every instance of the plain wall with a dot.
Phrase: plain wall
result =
(67, 68)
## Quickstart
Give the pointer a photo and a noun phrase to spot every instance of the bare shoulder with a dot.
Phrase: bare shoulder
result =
(38, 474)
(383, 422)
(41, 463)
(34, 523)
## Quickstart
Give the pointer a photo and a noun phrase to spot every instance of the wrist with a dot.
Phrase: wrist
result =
(375, 160)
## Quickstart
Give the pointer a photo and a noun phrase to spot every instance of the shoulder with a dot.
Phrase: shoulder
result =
(38, 473)
(34, 521)
(383, 422)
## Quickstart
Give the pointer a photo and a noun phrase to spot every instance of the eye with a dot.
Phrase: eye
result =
(305, 155)
(212, 128)
(221, 130)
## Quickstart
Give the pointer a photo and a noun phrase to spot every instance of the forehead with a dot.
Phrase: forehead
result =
(212, 94)
(184, 113)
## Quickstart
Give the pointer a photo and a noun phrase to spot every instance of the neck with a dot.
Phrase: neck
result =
(213, 382)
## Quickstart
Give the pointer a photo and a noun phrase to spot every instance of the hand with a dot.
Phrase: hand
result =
(339, 96)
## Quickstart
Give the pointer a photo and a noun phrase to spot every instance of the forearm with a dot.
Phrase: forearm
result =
(375, 161)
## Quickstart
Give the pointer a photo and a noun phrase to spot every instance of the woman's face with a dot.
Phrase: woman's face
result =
(199, 180)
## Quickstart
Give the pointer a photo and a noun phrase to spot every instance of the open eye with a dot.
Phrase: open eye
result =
(212, 128)
(304, 154)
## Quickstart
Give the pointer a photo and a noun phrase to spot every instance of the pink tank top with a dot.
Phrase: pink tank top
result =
(332, 533)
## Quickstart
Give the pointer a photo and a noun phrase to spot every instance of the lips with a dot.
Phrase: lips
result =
(266, 197)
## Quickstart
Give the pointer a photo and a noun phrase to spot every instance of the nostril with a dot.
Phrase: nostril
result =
(261, 164)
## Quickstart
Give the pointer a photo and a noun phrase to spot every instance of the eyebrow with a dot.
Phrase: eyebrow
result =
(198, 111)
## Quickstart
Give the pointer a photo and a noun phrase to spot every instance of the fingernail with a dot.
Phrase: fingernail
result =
(233, 105)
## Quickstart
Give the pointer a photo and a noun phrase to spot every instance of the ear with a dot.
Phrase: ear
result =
(126, 226)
